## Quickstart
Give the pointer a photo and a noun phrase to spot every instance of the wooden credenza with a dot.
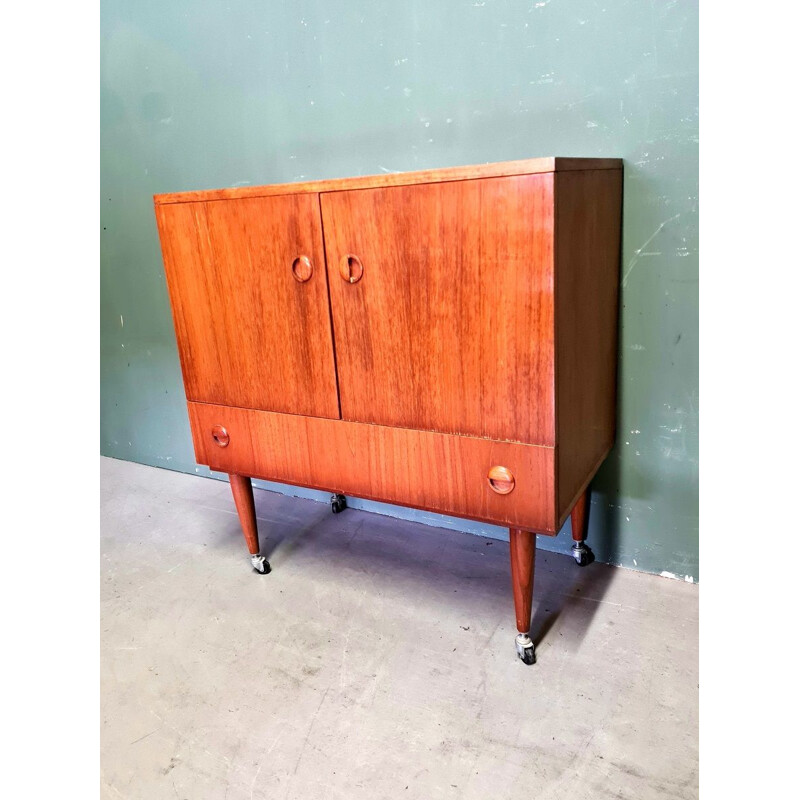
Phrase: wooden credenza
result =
(445, 340)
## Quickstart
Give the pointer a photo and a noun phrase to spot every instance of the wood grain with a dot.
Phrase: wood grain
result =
(528, 166)
(431, 471)
(522, 545)
(450, 328)
(588, 226)
(242, 489)
(249, 333)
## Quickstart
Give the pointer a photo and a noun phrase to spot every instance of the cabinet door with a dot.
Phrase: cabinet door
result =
(250, 302)
(450, 325)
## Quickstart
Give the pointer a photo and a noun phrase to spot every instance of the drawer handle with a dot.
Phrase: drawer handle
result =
(351, 269)
(501, 480)
(220, 435)
(302, 269)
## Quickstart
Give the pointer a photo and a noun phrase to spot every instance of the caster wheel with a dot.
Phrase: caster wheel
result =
(260, 564)
(525, 649)
(582, 554)
(338, 503)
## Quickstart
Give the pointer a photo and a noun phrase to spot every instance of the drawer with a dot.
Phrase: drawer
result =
(505, 483)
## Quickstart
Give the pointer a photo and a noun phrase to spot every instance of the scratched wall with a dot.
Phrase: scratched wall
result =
(198, 94)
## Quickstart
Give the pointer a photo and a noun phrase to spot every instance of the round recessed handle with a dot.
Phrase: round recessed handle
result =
(351, 269)
(501, 480)
(220, 435)
(302, 269)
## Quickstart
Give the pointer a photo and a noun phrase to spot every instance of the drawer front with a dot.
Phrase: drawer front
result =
(504, 483)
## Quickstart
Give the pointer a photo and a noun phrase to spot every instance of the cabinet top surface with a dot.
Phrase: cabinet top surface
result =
(528, 166)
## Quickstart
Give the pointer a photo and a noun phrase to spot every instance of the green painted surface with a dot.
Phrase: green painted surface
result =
(199, 95)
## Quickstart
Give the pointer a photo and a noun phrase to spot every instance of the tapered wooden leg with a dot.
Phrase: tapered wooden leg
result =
(579, 517)
(523, 562)
(242, 490)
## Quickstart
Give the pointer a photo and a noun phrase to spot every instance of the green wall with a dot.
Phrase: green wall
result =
(199, 94)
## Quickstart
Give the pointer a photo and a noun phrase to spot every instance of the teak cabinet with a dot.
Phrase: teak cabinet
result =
(442, 339)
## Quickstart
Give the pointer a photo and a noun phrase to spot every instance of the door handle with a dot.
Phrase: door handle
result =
(302, 269)
(351, 269)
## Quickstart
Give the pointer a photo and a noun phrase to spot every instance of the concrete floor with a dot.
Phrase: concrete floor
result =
(376, 661)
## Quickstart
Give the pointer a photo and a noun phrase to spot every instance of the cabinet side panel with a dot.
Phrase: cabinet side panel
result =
(421, 469)
(588, 222)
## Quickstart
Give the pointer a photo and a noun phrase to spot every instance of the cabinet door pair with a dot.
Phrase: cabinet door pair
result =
(427, 306)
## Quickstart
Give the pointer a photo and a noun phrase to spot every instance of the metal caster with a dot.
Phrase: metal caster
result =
(582, 554)
(260, 564)
(338, 503)
(525, 649)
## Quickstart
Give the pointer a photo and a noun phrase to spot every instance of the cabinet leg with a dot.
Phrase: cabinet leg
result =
(578, 517)
(242, 490)
(523, 561)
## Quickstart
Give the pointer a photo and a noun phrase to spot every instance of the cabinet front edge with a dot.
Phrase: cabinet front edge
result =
(529, 166)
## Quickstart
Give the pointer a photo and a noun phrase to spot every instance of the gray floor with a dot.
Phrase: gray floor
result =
(376, 661)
